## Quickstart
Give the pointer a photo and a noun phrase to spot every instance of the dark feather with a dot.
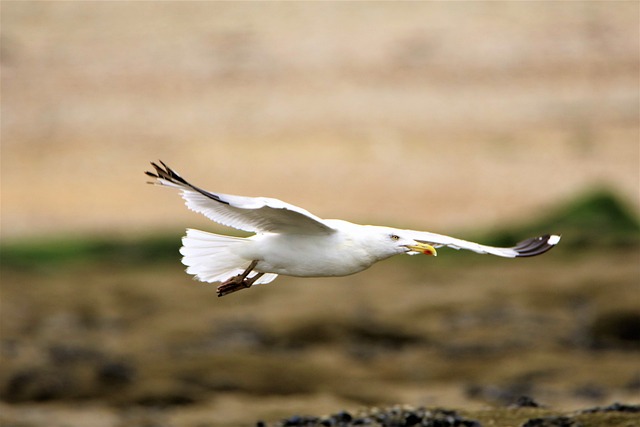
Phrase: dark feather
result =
(534, 246)
(172, 176)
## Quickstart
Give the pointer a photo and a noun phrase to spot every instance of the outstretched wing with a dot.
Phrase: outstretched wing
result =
(526, 248)
(253, 214)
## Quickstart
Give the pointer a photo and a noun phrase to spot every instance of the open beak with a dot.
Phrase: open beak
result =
(423, 248)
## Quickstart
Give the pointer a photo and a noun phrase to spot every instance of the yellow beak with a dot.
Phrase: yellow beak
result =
(423, 248)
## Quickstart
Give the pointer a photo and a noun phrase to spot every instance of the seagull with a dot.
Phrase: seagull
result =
(291, 241)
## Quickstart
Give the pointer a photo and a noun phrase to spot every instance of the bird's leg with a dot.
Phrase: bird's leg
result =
(249, 282)
(239, 282)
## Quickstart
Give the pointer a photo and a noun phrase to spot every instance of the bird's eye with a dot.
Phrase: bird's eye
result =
(394, 237)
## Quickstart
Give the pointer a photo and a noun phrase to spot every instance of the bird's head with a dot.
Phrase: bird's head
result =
(393, 241)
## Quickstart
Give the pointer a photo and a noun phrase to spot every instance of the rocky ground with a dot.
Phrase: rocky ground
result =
(519, 413)
(108, 333)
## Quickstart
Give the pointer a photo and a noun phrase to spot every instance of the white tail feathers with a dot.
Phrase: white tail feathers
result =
(210, 257)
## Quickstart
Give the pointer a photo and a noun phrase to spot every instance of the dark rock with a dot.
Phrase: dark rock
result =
(327, 422)
(294, 420)
(115, 373)
(525, 402)
(299, 421)
(412, 419)
(551, 422)
(446, 418)
(505, 395)
(343, 417)
(619, 329)
(391, 417)
(615, 407)
(36, 385)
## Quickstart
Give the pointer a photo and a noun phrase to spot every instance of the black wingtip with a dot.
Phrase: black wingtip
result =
(536, 245)
(151, 174)
(164, 172)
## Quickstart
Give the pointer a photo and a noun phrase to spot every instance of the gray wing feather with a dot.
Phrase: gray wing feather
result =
(526, 248)
(253, 214)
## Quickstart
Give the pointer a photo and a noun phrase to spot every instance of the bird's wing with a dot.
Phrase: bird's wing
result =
(526, 248)
(253, 214)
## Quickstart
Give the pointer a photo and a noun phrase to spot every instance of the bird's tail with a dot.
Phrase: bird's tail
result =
(210, 257)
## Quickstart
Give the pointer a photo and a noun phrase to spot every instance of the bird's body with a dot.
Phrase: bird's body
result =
(341, 253)
(291, 241)
(335, 254)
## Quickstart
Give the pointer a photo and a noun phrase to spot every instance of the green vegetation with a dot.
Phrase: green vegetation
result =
(595, 219)
(78, 251)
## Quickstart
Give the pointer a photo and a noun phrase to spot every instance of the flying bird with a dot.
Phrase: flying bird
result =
(291, 241)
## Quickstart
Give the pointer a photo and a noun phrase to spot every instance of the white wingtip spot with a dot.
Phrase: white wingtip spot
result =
(553, 239)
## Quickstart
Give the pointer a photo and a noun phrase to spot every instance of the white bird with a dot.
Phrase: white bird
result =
(291, 241)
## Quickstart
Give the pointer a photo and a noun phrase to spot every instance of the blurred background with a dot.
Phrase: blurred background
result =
(487, 120)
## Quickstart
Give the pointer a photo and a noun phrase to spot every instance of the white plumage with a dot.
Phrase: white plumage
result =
(292, 241)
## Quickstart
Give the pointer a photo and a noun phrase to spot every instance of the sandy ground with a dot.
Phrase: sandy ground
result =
(426, 115)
